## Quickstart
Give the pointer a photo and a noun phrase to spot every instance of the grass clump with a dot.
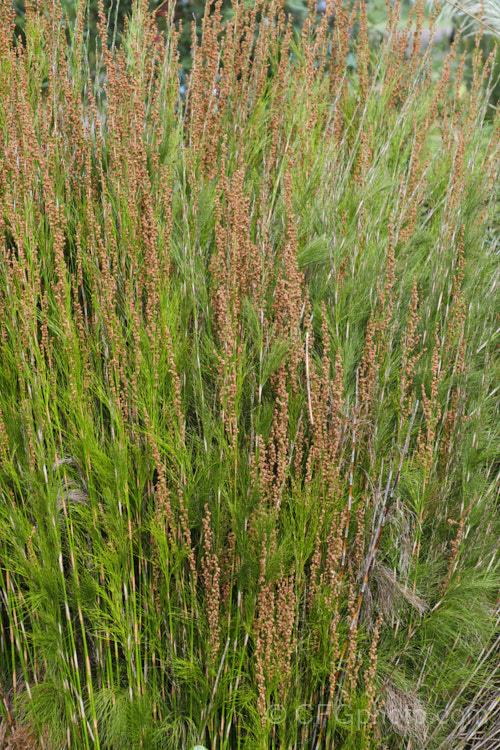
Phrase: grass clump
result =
(248, 387)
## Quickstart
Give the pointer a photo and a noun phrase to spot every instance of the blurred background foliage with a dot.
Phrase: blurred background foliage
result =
(186, 11)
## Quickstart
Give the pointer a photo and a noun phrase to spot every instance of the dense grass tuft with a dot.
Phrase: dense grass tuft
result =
(249, 387)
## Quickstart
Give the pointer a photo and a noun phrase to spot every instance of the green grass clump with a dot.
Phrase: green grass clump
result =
(249, 384)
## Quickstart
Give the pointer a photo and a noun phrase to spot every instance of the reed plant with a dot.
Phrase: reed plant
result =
(249, 386)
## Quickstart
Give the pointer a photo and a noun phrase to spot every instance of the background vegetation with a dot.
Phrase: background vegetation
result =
(249, 379)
